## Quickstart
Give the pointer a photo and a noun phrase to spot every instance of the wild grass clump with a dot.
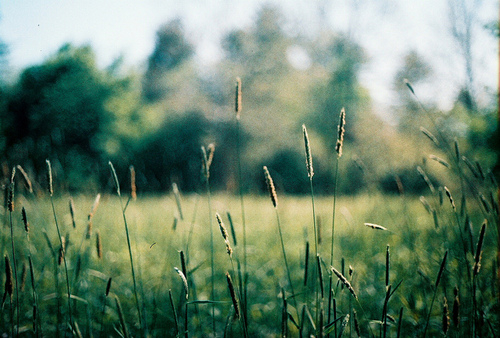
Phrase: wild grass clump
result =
(396, 266)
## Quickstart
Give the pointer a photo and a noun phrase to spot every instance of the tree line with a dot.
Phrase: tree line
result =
(80, 115)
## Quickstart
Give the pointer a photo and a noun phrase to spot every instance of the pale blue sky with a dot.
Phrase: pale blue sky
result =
(35, 29)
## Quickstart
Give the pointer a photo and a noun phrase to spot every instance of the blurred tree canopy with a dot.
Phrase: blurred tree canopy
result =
(171, 49)
(80, 116)
(59, 110)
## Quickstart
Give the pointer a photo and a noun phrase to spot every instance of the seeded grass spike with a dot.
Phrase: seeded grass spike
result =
(72, 212)
(25, 220)
(375, 226)
(270, 187)
(479, 249)
(309, 164)
(61, 239)
(430, 136)
(450, 197)
(98, 244)
(440, 160)
(234, 297)
(446, 317)
(184, 281)
(133, 187)
(94, 206)
(117, 185)
(26, 178)
(344, 281)
(341, 131)
(237, 103)
(224, 233)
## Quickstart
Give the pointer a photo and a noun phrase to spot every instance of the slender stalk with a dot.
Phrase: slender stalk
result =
(400, 322)
(117, 185)
(51, 193)
(285, 260)
(174, 311)
(32, 273)
(237, 296)
(237, 109)
(243, 222)
(11, 209)
(333, 238)
(310, 174)
(338, 150)
(108, 288)
(274, 200)
(207, 160)
(440, 273)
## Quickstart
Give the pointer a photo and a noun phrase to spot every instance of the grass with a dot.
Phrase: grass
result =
(416, 253)
(393, 255)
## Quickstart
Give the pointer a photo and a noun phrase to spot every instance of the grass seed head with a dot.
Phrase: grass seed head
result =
(457, 150)
(479, 249)
(309, 163)
(72, 212)
(410, 87)
(133, 187)
(237, 103)
(10, 193)
(232, 292)
(49, 178)
(375, 226)
(89, 230)
(184, 281)
(426, 179)
(94, 206)
(446, 317)
(98, 244)
(340, 135)
(108, 287)
(270, 187)
(207, 157)
(344, 281)
(25, 220)
(456, 308)
(440, 161)
(450, 197)
(26, 178)
(224, 233)
(62, 250)
(115, 178)
(430, 136)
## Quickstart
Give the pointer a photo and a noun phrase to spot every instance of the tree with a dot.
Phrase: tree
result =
(342, 90)
(171, 50)
(463, 21)
(60, 110)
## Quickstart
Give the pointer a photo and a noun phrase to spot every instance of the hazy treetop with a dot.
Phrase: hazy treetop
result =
(387, 30)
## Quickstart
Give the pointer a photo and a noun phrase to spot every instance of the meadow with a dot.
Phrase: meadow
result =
(402, 265)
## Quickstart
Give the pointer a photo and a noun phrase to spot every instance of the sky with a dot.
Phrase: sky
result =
(387, 29)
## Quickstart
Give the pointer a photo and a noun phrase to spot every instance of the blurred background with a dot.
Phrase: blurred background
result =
(147, 83)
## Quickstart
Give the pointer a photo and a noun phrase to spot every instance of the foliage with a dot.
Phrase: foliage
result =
(171, 49)
(342, 90)
(60, 110)
(79, 115)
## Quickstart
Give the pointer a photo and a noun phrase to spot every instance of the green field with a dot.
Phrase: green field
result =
(416, 246)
